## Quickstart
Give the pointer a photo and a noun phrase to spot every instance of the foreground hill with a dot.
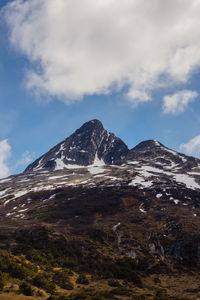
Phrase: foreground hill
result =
(91, 219)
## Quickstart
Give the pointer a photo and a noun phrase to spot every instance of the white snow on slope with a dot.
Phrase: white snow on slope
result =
(97, 165)
(187, 180)
(21, 193)
(140, 181)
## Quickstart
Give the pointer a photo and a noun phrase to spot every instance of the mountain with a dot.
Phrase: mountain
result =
(91, 219)
(89, 144)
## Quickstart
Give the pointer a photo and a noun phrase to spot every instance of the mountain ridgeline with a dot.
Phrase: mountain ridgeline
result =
(91, 143)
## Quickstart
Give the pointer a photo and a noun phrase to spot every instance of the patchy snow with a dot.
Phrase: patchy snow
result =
(22, 210)
(21, 216)
(158, 196)
(112, 177)
(5, 180)
(176, 201)
(97, 165)
(134, 162)
(10, 214)
(142, 210)
(156, 143)
(141, 181)
(4, 192)
(60, 165)
(172, 166)
(39, 166)
(148, 169)
(194, 173)
(7, 201)
(95, 170)
(98, 162)
(24, 180)
(21, 193)
(70, 159)
(187, 180)
(99, 175)
(114, 228)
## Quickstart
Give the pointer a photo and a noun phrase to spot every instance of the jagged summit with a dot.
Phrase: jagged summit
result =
(89, 143)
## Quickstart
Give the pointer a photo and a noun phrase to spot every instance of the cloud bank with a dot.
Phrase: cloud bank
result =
(88, 47)
(178, 102)
(4, 155)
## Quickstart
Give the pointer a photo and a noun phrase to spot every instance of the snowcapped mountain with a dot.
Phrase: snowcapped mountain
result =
(138, 209)
(92, 156)
(89, 144)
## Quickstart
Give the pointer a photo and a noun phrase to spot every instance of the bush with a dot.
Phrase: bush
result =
(161, 295)
(42, 282)
(114, 283)
(82, 279)
(62, 279)
(1, 284)
(39, 293)
(26, 289)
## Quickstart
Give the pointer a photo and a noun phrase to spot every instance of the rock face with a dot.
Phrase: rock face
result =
(90, 143)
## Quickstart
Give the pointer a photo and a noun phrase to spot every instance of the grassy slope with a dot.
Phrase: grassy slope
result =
(57, 244)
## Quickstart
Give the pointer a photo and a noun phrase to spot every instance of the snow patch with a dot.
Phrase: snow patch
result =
(176, 201)
(114, 228)
(21, 193)
(187, 180)
(141, 181)
(158, 196)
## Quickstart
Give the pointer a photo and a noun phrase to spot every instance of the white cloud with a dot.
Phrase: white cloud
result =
(192, 147)
(178, 102)
(4, 155)
(87, 47)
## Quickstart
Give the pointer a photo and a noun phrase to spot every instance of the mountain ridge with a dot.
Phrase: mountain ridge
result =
(91, 142)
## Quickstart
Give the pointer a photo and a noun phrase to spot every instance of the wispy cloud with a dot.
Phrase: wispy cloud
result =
(192, 147)
(178, 102)
(89, 47)
(5, 151)
(25, 159)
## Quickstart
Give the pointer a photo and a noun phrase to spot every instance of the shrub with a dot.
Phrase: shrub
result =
(82, 279)
(1, 284)
(26, 289)
(114, 283)
(63, 280)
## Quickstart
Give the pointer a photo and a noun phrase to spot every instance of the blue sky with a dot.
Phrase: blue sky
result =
(132, 65)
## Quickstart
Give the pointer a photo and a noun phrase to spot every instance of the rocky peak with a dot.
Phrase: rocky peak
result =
(87, 145)
(154, 152)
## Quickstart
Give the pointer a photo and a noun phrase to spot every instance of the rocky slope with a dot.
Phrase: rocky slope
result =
(127, 221)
